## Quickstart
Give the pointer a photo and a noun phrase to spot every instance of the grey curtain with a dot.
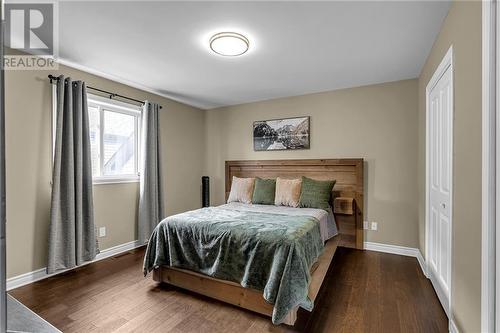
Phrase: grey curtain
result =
(72, 238)
(151, 210)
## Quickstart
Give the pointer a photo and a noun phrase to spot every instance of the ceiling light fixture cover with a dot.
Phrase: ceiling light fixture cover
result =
(229, 44)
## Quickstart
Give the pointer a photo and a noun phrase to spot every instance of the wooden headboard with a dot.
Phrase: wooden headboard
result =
(348, 174)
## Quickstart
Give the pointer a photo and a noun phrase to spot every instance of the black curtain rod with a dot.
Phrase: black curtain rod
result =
(111, 94)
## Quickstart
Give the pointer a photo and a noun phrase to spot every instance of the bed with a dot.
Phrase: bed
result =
(268, 259)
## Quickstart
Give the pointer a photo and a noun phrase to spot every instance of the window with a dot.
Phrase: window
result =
(114, 139)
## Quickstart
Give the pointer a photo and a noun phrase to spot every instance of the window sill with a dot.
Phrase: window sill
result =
(118, 180)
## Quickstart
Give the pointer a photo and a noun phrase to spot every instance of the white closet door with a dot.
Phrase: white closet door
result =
(440, 161)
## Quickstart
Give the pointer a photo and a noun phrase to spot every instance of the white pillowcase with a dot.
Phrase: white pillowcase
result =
(287, 192)
(241, 190)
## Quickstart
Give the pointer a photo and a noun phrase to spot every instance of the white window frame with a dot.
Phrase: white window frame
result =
(114, 106)
(119, 107)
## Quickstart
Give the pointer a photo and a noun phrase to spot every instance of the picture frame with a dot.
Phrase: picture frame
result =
(282, 134)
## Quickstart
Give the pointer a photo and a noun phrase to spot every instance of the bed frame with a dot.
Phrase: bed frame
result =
(347, 200)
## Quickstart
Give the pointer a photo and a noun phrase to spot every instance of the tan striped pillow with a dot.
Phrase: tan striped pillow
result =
(287, 192)
(241, 190)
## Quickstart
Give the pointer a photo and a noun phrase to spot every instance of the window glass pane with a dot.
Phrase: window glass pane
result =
(94, 140)
(119, 144)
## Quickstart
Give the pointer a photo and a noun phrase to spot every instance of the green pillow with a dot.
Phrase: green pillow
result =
(264, 190)
(316, 193)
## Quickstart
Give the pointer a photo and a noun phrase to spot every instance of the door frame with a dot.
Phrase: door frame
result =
(446, 62)
(490, 234)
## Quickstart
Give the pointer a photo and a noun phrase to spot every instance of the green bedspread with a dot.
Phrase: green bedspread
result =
(263, 251)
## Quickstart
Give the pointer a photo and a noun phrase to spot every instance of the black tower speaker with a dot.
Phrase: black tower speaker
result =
(205, 191)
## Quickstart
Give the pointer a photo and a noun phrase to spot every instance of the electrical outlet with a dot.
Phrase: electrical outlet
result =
(374, 226)
(102, 232)
(366, 225)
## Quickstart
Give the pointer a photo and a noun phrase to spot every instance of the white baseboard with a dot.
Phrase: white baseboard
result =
(452, 327)
(40, 274)
(421, 261)
(400, 250)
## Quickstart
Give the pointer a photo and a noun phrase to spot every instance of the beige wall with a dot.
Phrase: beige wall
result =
(28, 157)
(462, 29)
(383, 123)
(377, 123)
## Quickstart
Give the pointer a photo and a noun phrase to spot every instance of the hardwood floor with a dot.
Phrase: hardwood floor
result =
(363, 292)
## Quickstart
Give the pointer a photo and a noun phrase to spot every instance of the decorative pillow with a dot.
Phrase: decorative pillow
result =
(241, 190)
(316, 193)
(264, 191)
(287, 192)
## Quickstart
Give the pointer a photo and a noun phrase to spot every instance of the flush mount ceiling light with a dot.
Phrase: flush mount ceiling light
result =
(229, 44)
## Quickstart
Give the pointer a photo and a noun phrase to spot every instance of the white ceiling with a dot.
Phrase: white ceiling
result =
(296, 47)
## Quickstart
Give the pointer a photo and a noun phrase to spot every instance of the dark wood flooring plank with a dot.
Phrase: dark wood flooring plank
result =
(363, 292)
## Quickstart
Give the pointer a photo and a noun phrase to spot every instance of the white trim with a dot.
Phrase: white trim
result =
(446, 62)
(114, 105)
(102, 128)
(422, 263)
(452, 327)
(115, 180)
(489, 294)
(110, 105)
(132, 84)
(400, 250)
(40, 274)
(54, 123)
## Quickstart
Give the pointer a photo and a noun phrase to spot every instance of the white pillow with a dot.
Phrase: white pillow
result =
(241, 190)
(287, 192)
